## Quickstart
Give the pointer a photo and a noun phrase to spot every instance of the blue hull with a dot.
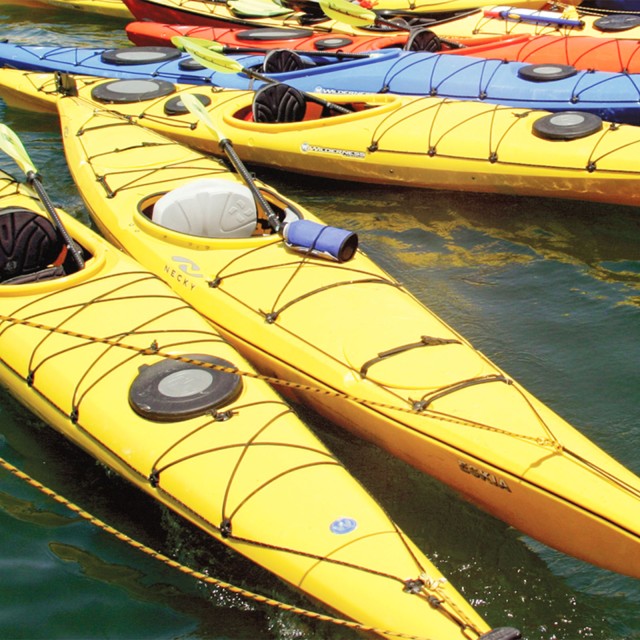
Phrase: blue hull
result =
(612, 96)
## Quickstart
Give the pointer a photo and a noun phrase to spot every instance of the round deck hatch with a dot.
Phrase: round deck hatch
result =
(131, 91)
(172, 390)
(139, 55)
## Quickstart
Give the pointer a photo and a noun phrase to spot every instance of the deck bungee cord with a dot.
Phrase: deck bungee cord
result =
(221, 450)
(597, 156)
(468, 436)
(417, 408)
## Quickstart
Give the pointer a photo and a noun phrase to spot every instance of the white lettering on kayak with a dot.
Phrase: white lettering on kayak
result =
(335, 92)
(305, 147)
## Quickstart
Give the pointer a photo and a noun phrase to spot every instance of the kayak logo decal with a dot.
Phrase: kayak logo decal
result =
(184, 272)
(486, 476)
(343, 525)
(305, 147)
(335, 92)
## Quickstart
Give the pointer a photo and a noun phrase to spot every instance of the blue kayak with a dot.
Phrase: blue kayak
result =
(613, 97)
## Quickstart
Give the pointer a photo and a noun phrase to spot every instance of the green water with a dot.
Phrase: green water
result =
(549, 290)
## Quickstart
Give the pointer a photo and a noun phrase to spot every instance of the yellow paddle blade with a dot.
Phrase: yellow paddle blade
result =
(206, 56)
(347, 12)
(257, 8)
(202, 42)
(12, 146)
(197, 109)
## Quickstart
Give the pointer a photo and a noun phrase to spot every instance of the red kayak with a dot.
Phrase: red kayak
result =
(581, 52)
(143, 33)
(254, 13)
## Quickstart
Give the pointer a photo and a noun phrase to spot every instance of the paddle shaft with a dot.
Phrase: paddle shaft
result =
(239, 166)
(34, 181)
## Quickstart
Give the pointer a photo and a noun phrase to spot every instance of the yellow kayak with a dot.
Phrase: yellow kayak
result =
(413, 6)
(389, 369)
(469, 146)
(111, 8)
(124, 368)
(488, 20)
(502, 20)
(298, 14)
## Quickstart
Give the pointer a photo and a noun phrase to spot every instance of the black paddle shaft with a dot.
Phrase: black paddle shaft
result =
(34, 180)
(227, 147)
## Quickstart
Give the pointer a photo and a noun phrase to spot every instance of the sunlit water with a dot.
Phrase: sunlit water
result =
(550, 290)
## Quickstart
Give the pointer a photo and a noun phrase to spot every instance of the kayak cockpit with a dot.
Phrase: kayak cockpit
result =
(279, 103)
(31, 248)
(212, 210)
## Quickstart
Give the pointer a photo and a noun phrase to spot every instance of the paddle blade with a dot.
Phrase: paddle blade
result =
(202, 42)
(257, 9)
(197, 109)
(205, 56)
(12, 146)
(347, 12)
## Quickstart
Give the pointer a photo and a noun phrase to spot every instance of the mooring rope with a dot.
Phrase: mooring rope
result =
(154, 349)
(198, 575)
(414, 408)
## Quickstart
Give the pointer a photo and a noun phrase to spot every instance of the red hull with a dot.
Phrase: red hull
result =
(143, 33)
(582, 52)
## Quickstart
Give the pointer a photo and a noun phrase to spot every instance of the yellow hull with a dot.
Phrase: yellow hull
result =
(466, 146)
(246, 471)
(485, 23)
(111, 8)
(451, 6)
(202, 12)
(272, 14)
(388, 369)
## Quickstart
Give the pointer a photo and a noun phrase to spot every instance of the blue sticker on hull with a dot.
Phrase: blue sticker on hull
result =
(343, 525)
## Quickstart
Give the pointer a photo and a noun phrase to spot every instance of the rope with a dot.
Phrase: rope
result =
(154, 349)
(197, 575)
(415, 408)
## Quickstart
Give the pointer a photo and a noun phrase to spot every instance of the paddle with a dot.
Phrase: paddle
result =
(218, 47)
(258, 9)
(302, 235)
(12, 146)
(216, 61)
(197, 109)
(357, 16)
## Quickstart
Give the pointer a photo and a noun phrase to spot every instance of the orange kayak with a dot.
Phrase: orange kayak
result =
(616, 55)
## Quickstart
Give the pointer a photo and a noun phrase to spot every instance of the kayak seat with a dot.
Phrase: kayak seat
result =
(208, 208)
(278, 103)
(423, 40)
(282, 61)
(29, 247)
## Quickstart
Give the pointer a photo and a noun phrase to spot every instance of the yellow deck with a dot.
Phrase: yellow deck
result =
(392, 371)
(111, 8)
(70, 349)
(462, 146)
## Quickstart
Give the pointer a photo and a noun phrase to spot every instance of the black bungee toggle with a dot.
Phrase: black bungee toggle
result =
(225, 528)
